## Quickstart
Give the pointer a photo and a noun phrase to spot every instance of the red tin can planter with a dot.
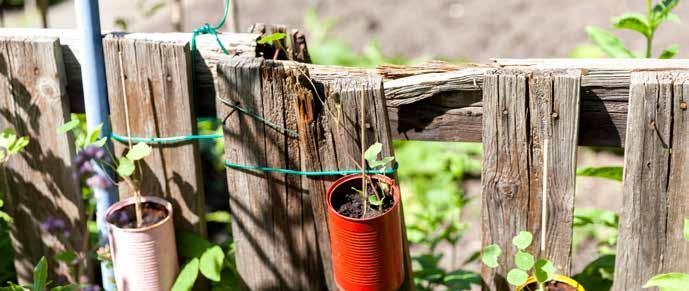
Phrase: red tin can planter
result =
(366, 253)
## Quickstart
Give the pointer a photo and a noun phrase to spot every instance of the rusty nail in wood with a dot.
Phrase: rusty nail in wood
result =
(683, 105)
(554, 115)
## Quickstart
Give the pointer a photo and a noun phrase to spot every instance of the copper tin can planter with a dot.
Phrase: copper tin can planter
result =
(143, 258)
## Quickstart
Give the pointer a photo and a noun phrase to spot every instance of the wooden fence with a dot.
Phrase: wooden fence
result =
(279, 225)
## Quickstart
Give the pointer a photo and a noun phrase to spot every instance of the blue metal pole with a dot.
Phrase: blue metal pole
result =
(97, 112)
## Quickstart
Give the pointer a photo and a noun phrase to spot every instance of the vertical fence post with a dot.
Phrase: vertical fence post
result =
(96, 107)
(154, 73)
(656, 165)
(39, 183)
(521, 108)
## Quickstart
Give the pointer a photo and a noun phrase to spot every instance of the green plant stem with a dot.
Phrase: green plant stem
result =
(649, 46)
(649, 38)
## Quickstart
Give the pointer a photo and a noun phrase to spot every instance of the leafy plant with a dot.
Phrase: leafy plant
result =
(210, 260)
(646, 25)
(672, 281)
(91, 149)
(40, 281)
(543, 269)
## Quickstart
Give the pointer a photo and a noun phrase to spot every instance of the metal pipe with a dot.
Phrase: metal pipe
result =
(97, 111)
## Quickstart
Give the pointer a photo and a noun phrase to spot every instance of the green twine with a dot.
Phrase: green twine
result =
(208, 29)
(309, 173)
(173, 139)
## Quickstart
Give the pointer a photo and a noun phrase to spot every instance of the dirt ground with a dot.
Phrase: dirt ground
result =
(474, 30)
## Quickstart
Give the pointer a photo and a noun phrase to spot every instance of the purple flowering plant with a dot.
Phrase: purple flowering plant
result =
(92, 152)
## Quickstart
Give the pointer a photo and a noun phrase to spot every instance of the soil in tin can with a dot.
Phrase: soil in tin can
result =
(551, 286)
(125, 217)
(349, 202)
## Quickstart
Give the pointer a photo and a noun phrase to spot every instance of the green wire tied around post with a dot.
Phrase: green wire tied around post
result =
(208, 29)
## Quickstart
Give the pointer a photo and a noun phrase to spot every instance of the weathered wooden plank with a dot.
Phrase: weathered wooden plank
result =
(678, 200)
(39, 183)
(332, 141)
(235, 43)
(157, 87)
(554, 115)
(515, 126)
(272, 220)
(505, 180)
(653, 175)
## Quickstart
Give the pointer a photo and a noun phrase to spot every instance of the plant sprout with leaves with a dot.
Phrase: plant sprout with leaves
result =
(378, 198)
(92, 150)
(10, 144)
(543, 269)
(645, 24)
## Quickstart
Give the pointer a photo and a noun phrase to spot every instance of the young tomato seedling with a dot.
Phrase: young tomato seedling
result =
(543, 269)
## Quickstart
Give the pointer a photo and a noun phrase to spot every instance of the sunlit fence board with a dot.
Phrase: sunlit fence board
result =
(39, 183)
(655, 186)
(521, 108)
(272, 222)
(154, 75)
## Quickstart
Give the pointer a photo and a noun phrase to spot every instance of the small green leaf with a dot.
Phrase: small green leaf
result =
(383, 162)
(18, 145)
(220, 216)
(371, 154)
(139, 151)
(669, 282)
(6, 217)
(66, 256)
(517, 277)
(609, 43)
(670, 52)
(524, 261)
(373, 199)
(661, 10)
(490, 255)
(125, 168)
(40, 275)
(686, 229)
(612, 173)
(68, 126)
(211, 263)
(273, 37)
(94, 134)
(632, 21)
(12, 287)
(190, 245)
(522, 240)
(100, 142)
(186, 278)
(544, 270)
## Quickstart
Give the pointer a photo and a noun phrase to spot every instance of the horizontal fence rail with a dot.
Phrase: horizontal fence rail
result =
(512, 106)
(447, 100)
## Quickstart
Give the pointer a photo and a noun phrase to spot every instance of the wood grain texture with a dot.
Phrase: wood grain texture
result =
(274, 231)
(554, 114)
(39, 183)
(655, 200)
(157, 85)
(332, 141)
(505, 180)
(520, 108)
(235, 43)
